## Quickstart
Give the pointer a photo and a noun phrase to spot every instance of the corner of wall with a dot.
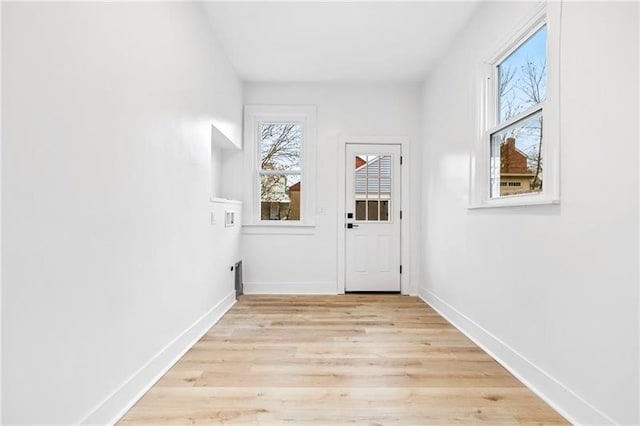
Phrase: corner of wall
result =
(562, 399)
(114, 406)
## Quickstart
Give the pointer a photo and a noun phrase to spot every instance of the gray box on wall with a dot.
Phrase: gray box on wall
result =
(238, 278)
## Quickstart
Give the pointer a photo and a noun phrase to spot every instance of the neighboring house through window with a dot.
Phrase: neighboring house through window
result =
(520, 93)
(372, 187)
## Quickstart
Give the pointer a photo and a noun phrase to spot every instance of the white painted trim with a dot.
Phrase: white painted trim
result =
(303, 114)
(638, 239)
(289, 288)
(279, 229)
(562, 399)
(406, 287)
(1, 284)
(116, 405)
(507, 201)
(531, 21)
(217, 200)
(340, 218)
(549, 13)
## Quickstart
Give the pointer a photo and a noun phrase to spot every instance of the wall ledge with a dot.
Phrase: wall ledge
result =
(218, 200)
(116, 405)
(562, 399)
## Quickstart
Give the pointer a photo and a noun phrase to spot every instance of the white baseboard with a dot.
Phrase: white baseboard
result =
(290, 288)
(562, 399)
(113, 407)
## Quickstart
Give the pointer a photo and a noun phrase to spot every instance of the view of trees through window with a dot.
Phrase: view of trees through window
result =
(280, 171)
(516, 148)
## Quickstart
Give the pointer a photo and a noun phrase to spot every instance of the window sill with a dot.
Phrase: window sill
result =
(513, 202)
(279, 229)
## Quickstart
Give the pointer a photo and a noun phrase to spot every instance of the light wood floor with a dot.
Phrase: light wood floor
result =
(330, 360)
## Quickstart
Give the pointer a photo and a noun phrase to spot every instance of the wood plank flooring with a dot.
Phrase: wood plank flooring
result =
(333, 360)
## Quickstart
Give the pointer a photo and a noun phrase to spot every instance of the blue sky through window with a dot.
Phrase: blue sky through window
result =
(522, 76)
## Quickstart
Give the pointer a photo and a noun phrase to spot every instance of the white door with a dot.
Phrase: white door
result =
(372, 219)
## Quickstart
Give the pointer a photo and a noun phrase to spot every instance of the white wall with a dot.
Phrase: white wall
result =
(1, 274)
(108, 249)
(552, 291)
(307, 263)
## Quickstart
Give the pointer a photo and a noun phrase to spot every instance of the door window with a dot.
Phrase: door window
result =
(372, 187)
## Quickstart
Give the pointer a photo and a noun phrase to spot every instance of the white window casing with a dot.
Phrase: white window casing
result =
(305, 116)
(544, 14)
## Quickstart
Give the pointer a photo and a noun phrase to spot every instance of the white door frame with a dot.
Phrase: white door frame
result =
(404, 205)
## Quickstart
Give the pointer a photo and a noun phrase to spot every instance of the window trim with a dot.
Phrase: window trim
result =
(254, 115)
(487, 106)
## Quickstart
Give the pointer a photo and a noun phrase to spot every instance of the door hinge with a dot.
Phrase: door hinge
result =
(400, 268)
(400, 214)
(401, 160)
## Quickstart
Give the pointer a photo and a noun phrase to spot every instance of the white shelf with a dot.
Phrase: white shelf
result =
(224, 200)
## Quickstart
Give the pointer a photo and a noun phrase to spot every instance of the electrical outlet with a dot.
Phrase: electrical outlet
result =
(229, 218)
(213, 218)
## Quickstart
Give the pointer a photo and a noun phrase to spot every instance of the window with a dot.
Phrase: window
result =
(279, 160)
(372, 189)
(280, 148)
(516, 159)
(516, 142)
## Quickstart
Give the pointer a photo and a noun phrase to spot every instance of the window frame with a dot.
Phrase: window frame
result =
(488, 114)
(298, 171)
(254, 116)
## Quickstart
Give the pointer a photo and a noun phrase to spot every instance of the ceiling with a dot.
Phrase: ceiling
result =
(336, 41)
